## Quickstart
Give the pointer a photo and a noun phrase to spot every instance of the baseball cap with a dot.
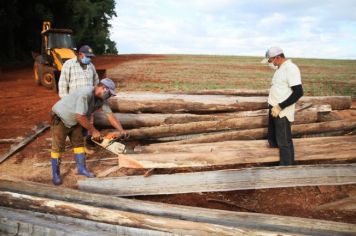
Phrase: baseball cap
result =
(109, 84)
(87, 51)
(272, 52)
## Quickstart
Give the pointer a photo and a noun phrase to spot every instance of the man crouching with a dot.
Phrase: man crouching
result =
(70, 115)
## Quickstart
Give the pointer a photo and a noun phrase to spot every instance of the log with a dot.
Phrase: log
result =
(38, 129)
(21, 222)
(261, 133)
(228, 92)
(234, 153)
(130, 120)
(199, 104)
(123, 218)
(284, 224)
(211, 126)
(224, 180)
(346, 204)
(239, 144)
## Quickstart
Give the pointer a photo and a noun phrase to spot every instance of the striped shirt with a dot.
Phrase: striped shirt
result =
(74, 76)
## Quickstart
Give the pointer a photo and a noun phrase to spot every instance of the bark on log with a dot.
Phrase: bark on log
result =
(29, 223)
(283, 224)
(117, 217)
(179, 103)
(229, 92)
(224, 180)
(130, 120)
(228, 153)
(239, 144)
(211, 126)
(251, 134)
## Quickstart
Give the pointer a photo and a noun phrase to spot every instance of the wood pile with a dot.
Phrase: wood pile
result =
(202, 129)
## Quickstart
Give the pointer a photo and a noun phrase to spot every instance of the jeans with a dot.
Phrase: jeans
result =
(280, 135)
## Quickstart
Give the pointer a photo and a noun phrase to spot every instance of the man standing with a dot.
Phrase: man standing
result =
(78, 72)
(71, 114)
(286, 89)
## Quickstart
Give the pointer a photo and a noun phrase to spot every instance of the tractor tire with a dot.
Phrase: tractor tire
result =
(48, 79)
(37, 73)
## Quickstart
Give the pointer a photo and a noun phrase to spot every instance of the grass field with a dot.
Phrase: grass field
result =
(195, 72)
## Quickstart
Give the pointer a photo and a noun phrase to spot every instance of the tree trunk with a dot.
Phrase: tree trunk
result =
(297, 130)
(181, 103)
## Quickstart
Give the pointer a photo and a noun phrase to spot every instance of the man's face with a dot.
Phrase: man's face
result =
(275, 60)
(101, 92)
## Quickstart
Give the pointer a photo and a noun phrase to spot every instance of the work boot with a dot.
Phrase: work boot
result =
(56, 175)
(82, 170)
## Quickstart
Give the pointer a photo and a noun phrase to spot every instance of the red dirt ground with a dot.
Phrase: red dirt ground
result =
(23, 104)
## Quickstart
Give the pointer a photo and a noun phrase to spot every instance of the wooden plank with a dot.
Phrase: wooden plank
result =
(345, 204)
(21, 222)
(283, 224)
(260, 133)
(128, 219)
(37, 130)
(224, 180)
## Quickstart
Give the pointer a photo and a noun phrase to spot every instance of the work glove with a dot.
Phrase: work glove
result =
(276, 110)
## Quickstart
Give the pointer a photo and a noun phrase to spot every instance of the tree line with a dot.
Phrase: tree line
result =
(21, 25)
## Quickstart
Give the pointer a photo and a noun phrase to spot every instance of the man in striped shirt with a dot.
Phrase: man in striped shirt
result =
(78, 72)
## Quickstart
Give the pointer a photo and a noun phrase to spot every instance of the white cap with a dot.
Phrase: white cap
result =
(272, 52)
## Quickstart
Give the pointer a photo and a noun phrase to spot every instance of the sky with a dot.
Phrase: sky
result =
(302, 28)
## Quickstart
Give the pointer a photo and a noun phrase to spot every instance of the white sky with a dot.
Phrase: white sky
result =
(303, 28)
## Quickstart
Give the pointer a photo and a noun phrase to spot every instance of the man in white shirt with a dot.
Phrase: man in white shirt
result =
(286, 89)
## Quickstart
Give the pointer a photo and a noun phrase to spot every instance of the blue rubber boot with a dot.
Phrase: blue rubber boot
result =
(56, 175)
(82, 170)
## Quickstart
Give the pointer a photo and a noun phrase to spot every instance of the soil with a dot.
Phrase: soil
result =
(24, 104)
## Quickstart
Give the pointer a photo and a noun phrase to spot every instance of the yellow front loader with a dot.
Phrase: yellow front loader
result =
(57, 47)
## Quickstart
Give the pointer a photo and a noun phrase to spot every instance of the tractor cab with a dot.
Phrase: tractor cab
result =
(57, 47)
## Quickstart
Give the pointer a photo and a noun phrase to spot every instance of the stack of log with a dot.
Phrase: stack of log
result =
(28, 208)
(187, 118)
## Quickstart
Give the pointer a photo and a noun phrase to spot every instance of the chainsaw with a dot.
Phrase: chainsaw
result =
(114, 145)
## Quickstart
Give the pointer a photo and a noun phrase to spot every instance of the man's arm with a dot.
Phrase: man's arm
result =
(83, 121)
(95, 75)
(294, 97)
(63, 82)
(114, 122)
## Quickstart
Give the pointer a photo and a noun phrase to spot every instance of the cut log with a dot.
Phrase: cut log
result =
(283, 224)
(228, 92)
(224, 180)
(180, 103)
(297, 130)
(21, 222)
(14, 148)
(346, 204)
(117, 217)
(210, 126)
(231, 153)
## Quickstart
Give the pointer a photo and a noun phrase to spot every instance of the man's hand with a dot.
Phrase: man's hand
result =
(276, 110)
(96, 135)
(120, 134)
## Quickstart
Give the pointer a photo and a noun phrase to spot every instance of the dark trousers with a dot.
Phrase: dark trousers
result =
(280, 135)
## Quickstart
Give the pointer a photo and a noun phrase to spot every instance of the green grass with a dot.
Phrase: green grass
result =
(196, 72)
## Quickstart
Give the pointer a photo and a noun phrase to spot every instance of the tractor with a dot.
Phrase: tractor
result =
(57, 47)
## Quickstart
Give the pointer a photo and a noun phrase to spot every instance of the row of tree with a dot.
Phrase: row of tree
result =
(21, 24)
